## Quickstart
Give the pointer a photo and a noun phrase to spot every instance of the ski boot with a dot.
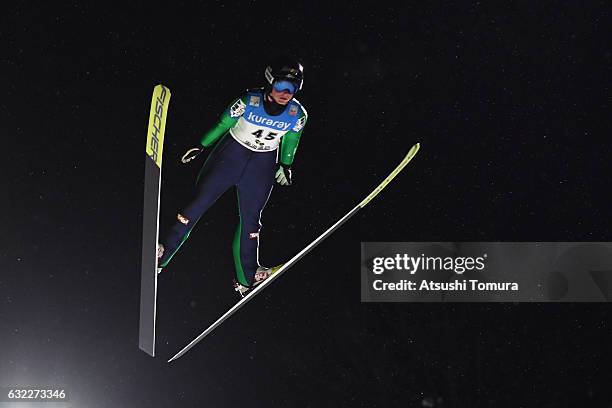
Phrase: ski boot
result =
(261, 275)
(160, 253)
(241, 289)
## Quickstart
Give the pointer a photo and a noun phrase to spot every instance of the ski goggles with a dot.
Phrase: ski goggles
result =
(280, 86)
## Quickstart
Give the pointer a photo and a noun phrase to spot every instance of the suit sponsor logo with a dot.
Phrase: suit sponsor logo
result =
(258, 145)
(262, 120)
(182, 219)
(299, 124)
(253, 235)
(254, 101)
(293, 110)
(237, 109)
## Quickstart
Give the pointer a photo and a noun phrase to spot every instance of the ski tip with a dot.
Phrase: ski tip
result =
(412, 152)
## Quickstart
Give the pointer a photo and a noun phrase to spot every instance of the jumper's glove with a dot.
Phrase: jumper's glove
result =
(283, 175)
(191, 154)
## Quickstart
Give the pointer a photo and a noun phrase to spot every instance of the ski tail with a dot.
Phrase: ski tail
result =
(150, 218)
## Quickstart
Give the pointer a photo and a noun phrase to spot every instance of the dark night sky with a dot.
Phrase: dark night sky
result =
(510, 104)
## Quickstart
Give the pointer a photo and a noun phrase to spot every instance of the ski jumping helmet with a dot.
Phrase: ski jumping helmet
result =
(285, 69)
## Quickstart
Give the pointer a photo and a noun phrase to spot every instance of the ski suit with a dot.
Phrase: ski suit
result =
(250, 142)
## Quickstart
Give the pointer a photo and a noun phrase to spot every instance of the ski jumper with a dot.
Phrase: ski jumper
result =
(250, 142)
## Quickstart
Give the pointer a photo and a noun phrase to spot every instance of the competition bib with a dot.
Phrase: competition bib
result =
(258, 131)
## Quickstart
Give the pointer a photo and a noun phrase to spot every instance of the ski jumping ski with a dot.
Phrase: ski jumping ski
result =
(413, 151)
(150, 218)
